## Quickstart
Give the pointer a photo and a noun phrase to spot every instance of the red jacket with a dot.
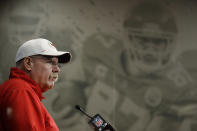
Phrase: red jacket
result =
(20, 105)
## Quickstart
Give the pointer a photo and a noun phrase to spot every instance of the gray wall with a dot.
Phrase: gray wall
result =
(135, 87)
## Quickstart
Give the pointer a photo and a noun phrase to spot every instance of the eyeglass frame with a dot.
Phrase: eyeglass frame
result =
(48, 60)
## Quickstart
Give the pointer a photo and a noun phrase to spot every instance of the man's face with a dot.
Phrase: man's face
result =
(44, 71)
(150, 47)
(150, 50)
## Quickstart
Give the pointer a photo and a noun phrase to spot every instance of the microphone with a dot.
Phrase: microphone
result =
(97, 122)
(81, 110)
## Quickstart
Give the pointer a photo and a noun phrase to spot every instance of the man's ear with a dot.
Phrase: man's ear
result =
(28, 64)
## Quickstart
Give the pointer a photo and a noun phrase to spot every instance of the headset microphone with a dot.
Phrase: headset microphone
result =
(97, 122)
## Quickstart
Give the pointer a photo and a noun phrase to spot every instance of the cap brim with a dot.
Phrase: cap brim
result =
(63, 57)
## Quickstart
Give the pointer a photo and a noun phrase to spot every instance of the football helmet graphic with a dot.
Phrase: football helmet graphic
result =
(151, 30)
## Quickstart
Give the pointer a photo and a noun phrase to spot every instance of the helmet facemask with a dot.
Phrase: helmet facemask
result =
(151, 28)
(150, 49)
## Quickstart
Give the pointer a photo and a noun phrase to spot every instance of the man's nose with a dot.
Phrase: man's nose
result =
(151, 46)
(56, 68)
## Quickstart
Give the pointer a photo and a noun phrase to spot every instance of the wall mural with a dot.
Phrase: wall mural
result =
(134, 62)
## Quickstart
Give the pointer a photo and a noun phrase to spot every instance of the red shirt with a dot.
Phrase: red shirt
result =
(20, 105)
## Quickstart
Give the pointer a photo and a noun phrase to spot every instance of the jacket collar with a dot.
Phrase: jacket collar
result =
(17, 73)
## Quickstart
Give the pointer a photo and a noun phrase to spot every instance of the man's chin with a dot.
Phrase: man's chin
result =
(48, 87)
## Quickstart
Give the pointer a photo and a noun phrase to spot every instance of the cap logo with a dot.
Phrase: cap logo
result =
(52, 44)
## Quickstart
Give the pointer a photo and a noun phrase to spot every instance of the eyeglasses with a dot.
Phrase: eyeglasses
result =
(48, 59)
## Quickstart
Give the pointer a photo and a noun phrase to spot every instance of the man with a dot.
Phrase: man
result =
(141, 87)
(37, 69)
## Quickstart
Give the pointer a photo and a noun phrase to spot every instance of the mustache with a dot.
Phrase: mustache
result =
(54, 76)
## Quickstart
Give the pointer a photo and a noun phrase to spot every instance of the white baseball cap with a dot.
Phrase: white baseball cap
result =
(41, 46)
